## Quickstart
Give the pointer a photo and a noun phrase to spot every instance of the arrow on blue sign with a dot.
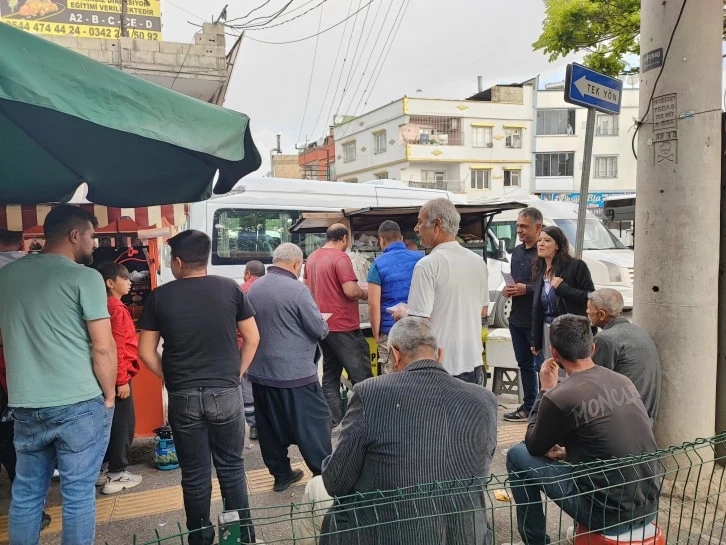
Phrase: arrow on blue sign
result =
(591, 89)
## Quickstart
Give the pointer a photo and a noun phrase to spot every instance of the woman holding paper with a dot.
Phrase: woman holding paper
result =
(562, 284)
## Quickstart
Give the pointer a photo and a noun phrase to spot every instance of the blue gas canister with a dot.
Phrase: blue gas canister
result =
(165, 452)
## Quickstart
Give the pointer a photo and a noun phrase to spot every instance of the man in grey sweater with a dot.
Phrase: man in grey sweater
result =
(624, 347)
(289, 402)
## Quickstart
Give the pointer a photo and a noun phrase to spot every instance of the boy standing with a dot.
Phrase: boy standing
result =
(116, 478)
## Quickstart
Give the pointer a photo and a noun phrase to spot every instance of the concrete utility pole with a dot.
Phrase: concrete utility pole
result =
(677, 208)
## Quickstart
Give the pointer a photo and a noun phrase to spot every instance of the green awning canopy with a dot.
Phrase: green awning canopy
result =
(66, 119)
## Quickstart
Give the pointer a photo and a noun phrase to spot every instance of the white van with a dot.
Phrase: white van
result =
(250, 221)
(609, 260)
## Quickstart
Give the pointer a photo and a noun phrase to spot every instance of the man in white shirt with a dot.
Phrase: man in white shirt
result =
(450, 286)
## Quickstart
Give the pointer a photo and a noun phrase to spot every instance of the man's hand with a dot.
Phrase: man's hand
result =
(534, 351)
(556, 281)
(400, 312)
(123, 391)
(516, 290)
(556, 453)
(548, 374)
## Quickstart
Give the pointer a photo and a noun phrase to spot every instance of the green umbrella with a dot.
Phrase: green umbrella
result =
(66, 119)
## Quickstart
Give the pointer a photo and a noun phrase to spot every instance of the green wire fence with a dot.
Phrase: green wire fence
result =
(688, 487)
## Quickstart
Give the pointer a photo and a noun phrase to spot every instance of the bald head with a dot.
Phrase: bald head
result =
(337, 236)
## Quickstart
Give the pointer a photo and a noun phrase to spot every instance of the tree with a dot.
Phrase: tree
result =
(607, 29)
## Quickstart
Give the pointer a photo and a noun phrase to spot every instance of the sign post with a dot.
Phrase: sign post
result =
(598, 93)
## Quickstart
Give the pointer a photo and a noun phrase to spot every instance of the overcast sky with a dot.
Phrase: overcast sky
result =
(439, 50)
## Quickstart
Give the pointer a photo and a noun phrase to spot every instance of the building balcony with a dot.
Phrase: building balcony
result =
(455, 186)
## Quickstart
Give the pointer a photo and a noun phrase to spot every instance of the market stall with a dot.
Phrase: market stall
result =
(133, 237)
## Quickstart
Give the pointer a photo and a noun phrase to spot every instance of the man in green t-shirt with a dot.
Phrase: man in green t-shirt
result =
(61, 372)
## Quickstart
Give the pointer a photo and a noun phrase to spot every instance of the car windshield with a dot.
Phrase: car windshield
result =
(597, 236)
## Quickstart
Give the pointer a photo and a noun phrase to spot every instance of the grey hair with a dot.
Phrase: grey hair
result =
(409, 335)
(608, 300)
(444, 211)
(287, 252)
(532, 213)
(571, 336)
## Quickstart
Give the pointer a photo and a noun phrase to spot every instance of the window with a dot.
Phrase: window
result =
(379, 142)
(481, 178)
(242, 235)
(512, 177)
(506, 231)
(381, 175)
(431, 179)
(513, 138)
(552, 122)
(481, 137)
(350, 180)
(555, 164)
(607, 125)
(429, 129)
(606, 167)
(349, 152)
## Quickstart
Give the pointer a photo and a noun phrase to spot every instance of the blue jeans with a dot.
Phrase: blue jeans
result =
(529, 476)
(74, 435)
(529, 364)
(207, 423)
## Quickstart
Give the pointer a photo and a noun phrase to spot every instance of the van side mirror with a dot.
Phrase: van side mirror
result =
(502, 251)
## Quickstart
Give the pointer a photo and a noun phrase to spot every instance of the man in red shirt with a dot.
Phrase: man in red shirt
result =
(329, 275)
(254, 270)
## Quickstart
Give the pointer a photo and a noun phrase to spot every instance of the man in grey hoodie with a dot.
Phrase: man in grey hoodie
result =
(289, 402)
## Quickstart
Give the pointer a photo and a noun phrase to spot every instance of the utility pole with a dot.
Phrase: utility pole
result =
(124, 10)
(677, 208)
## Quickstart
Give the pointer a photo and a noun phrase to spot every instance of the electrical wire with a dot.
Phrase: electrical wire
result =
(657, 79)
(287, 20)
(345, 58)
(312, 73)
(380, 63)
(332, 75)
(270, 18)
(250, 13)
(376, 41)
(313, 35)
(186, 11)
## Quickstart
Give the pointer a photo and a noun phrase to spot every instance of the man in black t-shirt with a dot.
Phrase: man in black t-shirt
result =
(198, 317)
(529, 225)
(596, 414)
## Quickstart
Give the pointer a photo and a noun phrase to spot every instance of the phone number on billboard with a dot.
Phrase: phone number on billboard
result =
(81, 31)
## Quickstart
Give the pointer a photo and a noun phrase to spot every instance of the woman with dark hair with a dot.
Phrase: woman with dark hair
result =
(562, 283)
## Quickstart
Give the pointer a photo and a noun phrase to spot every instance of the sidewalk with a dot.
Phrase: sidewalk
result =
(156, 504)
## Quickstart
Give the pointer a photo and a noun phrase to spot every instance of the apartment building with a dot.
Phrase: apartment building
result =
(481, 146)
(560, 143)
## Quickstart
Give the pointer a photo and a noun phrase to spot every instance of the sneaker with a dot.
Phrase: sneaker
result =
(281, 485)
(517, 416)
(120, 481)
(102, 477)
(253, 433)
(570, 534)
(45, 521)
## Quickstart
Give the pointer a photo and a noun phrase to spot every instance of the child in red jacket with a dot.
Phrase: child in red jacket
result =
(116, 478)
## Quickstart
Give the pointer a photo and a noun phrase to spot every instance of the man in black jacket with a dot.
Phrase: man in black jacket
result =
(529, 225)
(417, 425)
(596, 414)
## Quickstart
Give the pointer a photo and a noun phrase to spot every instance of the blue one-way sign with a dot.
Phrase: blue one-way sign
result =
(585, 87)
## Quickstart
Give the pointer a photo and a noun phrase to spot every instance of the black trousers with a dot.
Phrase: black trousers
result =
(7, 449)
(292, 416)
(347, 350)
(123, 428)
